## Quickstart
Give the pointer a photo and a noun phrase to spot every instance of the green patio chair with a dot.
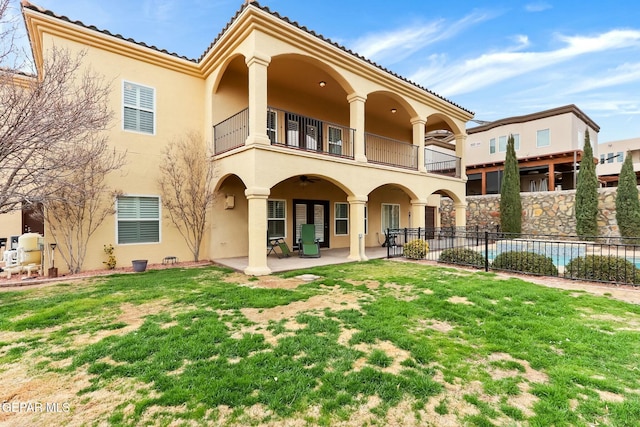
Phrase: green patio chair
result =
(279, 244)
(308, 245)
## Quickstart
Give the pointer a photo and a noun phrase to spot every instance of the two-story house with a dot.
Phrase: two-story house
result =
(612, 155)
(301, 129)
(548, 146)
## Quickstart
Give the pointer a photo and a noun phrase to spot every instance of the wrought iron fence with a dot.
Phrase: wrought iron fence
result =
(599, 259)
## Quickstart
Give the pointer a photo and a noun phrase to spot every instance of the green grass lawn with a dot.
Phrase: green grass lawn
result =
(375, 343)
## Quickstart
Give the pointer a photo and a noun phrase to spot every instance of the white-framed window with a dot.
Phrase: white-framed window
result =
(542, 138)
(390, 216)
(516, 141)
(492, 145)
(276, 218)
(609, 157)
(502, 144)
(341, 218)
(602, 159)
(138, 108)
(138, 219)
(272, 126)
(620, 156)
(335, 140)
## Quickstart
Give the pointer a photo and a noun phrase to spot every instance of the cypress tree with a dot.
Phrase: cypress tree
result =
(627, 203)
(510, 203)
(586, 206)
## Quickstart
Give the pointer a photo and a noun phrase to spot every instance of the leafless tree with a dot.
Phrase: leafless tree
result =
(186, 177)
(44, 120)
(80, 206)
(7, 33)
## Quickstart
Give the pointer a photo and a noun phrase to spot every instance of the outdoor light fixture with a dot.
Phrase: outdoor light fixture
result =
(323, 83)
(393, 111)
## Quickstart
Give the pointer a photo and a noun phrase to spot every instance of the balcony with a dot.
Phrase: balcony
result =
(442, 163)
(297, 132)
(289, 130)
(387, 151)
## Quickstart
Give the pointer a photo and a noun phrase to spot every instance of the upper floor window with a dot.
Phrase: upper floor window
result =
(272, 126)
(543, 138)
(139, 108)
(516, 141)
(492, 145)
(335, 140)
(502, 144)
(602, 159)
(610, 157)
(620, 156)
(138, 219)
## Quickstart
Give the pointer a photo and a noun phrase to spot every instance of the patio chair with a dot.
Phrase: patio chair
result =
(308, 244)
(279, 244)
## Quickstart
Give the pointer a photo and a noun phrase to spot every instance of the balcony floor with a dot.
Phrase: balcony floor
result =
(277, 265)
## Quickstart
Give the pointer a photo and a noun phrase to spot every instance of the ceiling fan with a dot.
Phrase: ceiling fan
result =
(304, 180)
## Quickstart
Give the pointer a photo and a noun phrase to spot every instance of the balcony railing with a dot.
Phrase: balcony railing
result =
(231, 133)
(299, 132)
(442, 163)
(387, 151)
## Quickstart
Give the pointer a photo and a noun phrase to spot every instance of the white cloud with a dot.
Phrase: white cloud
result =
(159, 10)
(394, 46)
(625, 73)
(537, 6)
(491, 68)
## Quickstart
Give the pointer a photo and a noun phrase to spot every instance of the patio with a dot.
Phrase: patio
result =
(328, 257)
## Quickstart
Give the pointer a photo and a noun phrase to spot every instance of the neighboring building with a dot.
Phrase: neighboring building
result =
(548, 146)
(302, 131)
(612, 155)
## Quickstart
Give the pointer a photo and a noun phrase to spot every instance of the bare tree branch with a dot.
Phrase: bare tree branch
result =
(80, 206)
(186, 176)
(44, 121)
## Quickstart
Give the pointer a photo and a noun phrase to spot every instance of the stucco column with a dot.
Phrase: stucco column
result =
(257, 65)
(461, 141)
(418, 214)
(356, 228)
(461, 214)
(356, 121)
(257, 224)
(552, 177)
(418, 139)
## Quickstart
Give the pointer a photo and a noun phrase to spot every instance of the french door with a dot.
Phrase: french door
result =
(314, 212)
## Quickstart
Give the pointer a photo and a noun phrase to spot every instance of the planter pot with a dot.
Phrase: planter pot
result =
(139, 265)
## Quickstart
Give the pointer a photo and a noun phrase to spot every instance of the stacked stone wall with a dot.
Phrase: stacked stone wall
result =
(550, 212)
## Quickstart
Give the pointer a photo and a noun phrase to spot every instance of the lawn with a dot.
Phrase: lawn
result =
(376, 343)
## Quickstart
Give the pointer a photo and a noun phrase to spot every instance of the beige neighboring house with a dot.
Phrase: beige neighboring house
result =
(301, 130)
(548, 146)
(612, 155)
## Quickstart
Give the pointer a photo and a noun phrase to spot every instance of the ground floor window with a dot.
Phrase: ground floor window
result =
(390, 216)
(138, 219)
(276, 218)
(341, 219)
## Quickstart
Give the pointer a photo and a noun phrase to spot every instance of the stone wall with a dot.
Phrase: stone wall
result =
(550, 212)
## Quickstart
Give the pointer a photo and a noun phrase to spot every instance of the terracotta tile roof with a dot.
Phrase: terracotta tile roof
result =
(27, 4)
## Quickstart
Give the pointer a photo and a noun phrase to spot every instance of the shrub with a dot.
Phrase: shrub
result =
(111, 258)
(525, 262)
(602, 268)
(462, 256)
(416, 249)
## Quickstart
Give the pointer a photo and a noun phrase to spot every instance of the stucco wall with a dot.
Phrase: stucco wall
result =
(543, 212)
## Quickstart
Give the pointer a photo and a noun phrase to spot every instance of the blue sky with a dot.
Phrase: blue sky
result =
(496, 58)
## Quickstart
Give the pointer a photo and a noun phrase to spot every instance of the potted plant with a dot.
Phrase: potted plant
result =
(139, 265)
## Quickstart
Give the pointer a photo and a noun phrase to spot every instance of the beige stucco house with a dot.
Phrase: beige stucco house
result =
(548, 146)
(301, 130)
(612, 155)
